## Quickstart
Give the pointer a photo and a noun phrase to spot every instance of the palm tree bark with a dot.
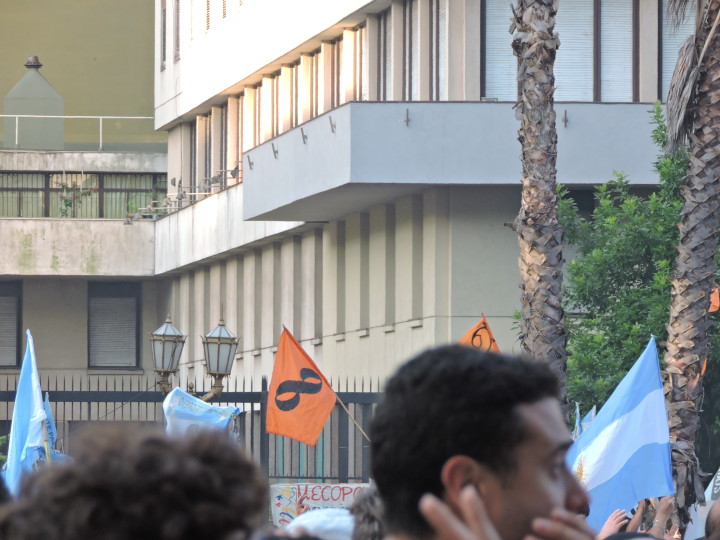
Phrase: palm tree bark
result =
(540, 235)
(695, 267)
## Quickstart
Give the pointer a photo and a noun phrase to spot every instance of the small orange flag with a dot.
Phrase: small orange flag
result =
(714, 300)
(480, 336)
(300, 399)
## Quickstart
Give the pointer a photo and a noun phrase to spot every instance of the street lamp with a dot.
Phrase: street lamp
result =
(167, 346)
(219, 347)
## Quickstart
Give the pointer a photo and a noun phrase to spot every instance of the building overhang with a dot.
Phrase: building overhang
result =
(364, 153)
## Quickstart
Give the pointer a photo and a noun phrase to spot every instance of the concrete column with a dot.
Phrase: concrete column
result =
(216, 136)
(373, 39)
(232, 150)
(456, 50)
(649, 50)
(286, 98)
(397, 48)
(267, 109)
(305, 88)
(248, 119)
(325, 77)
(349, 87)
(201, 156)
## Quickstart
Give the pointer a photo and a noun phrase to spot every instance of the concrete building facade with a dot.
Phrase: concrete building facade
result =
(352, 164)
(344, 168)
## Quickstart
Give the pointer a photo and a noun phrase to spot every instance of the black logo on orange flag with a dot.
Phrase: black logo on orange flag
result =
(480, 336)
(297, 387)
(300, 399)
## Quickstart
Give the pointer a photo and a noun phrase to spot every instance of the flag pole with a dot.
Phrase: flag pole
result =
(48, 455)
(360, 429)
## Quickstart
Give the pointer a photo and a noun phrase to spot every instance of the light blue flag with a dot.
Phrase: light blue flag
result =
(26, 433)
(184, 412)
(624, 456)
(587, 419)
(578, 427)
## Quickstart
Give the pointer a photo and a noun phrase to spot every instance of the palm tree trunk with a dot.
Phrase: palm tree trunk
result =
(694, 273)
(539, 233)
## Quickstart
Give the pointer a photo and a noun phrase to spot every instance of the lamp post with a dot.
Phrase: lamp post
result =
(167, 346)
(219, 348)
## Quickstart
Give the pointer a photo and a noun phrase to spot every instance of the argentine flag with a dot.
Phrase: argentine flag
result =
(26, 432)
(624, 456)
(184, 413)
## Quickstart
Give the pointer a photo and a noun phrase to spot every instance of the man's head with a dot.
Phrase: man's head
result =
(125, 484)
(454, 416)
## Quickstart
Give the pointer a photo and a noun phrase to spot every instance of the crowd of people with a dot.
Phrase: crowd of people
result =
(466, 445)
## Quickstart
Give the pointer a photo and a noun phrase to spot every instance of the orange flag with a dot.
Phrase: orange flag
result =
(714, 300)
(481, 337)
(300, 399)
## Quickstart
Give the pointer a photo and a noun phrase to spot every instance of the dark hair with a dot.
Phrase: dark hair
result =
(367, 512)
(447, 401)
(126, 484)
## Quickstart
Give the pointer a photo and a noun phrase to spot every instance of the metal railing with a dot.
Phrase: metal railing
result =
(81, 194)
(340, 455)
(100, 120)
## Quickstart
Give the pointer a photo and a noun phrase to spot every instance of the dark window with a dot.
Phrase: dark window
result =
(10, 322)
(114, 324)
(163, 35)
(176, 39)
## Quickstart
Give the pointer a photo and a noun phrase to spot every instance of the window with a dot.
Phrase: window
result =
(114, 324)
(616, 50)
(384, 57)
(438, 50)
(595, 62)
(411, 50)
(500, 66)
(176, 37)
(10, 322)
(163, 34)
(672, 40)
(574, 67)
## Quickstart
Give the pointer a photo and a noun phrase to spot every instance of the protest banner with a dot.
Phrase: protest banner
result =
(284, 497)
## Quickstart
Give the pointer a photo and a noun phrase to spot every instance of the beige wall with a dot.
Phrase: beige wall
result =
(56, 311)
(96, 54)
(76, 247)
(364, 293)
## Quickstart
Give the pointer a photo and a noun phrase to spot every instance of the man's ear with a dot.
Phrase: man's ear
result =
(458, 472)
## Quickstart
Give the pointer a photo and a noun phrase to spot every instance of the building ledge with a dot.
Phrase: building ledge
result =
(365, 153)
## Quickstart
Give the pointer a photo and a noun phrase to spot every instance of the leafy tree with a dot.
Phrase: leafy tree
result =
(618, 286)
(619, 282)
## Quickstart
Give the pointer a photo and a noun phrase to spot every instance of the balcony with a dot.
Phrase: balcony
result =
(81, 167)
(362, 154)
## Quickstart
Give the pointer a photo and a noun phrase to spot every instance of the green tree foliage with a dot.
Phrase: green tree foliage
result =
(618, 290)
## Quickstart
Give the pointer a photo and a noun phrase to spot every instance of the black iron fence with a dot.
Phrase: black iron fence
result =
(340, 455)
(80, 194)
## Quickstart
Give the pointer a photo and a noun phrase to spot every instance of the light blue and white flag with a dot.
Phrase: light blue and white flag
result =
(588, 419)
(184, 412)
(624, 456)
(51, 429)
(26, 431)
(578, 427)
